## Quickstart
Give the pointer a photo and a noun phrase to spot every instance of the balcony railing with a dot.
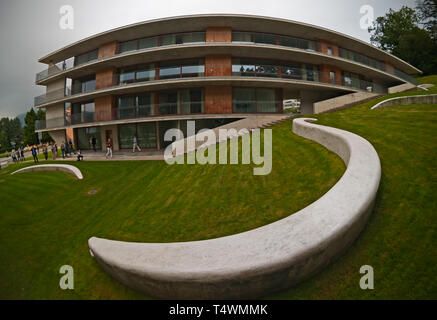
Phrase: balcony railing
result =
(270, 71)
(122, 113)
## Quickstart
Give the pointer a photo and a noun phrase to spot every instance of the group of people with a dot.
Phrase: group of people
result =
(67, 150)
(18, 155)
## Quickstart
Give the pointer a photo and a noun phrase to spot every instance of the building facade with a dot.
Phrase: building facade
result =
(145, 78)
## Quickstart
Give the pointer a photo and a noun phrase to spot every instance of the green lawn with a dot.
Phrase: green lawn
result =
(47, 217)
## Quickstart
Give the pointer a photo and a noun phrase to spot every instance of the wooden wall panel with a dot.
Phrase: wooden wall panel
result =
(324, 47)
(324, 74)
(219, 34)
(218, 65)
(105, 78)
(103, 107)
(108, 49)
(218, 99)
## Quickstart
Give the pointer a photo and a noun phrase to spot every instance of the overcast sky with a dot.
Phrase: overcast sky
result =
(29, 29)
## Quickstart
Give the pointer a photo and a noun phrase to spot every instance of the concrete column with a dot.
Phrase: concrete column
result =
(307, 99)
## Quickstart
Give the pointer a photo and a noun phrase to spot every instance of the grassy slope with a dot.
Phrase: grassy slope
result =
(46, 218)
(400, 239)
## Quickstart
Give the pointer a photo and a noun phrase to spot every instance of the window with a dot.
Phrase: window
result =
(86, 57)
(329, 49)
(332, 77)
(148, 43)
(83, 85)
(189, 68)
(169, 70)
(168, 102)
(265, 38)
(243, 100)
(128, 46)
(127, 76)
(191, 101)
(135, 106)
(85, 138)
(244, 68)
(266, 69)
(194, 37)
(171, 39)
(291, 71)
(242, 37)
(266, 100)
(82, 112)
(254, 100)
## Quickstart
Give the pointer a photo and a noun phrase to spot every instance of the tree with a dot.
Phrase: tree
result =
(30, 137)
(427, 11)
(399, 33)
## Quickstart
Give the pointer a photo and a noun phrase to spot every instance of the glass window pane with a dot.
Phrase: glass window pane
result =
(128, 46)
(146, 135)
(127, 76)
(266, 100)
(168, 102)
(266, 70)
(146, 105)
(243, 100)
(126, 133)
(168, 40)
(241, 37)
(194, 37)
(146, 73)
(85, 137)
(265, 38)
(291, 71)
(148, 43)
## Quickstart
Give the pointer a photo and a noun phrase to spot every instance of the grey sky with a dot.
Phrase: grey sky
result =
(29, 29)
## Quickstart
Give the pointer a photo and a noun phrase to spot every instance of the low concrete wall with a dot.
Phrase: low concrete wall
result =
(53, 167)
(403, 101)
(267, 259)
(343, 101)
(401, 88)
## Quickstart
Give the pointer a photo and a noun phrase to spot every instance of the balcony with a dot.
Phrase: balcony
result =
(124, 113)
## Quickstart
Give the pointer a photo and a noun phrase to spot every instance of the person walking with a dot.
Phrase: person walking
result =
(66, 149)
(22, 154)
(56, 150)
(94, 142)
(70, 147)
(63, 149)
(109, 148)
(34, 154)
(135, 142)
(53, 152)
(14, 157)
(18, 154)
(45, 151)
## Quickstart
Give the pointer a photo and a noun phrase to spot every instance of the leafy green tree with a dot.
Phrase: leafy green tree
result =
(4, 143)
(30, 137)
(427, 11)
(399, 33)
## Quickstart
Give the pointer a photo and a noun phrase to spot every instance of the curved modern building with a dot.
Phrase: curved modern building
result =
(147, 77)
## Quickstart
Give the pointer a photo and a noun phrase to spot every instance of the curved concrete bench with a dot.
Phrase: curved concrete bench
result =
(262, 260)
(53, 167)
(402, 101)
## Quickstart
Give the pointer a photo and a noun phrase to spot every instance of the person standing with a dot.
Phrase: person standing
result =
(135, 142)
(18, 154)
(22, 154)
(14, 157)
(34, 154)
(63, 149)
(56, 150)
(94, 142)
(53, 152)
(45, 151)
(109, 148)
